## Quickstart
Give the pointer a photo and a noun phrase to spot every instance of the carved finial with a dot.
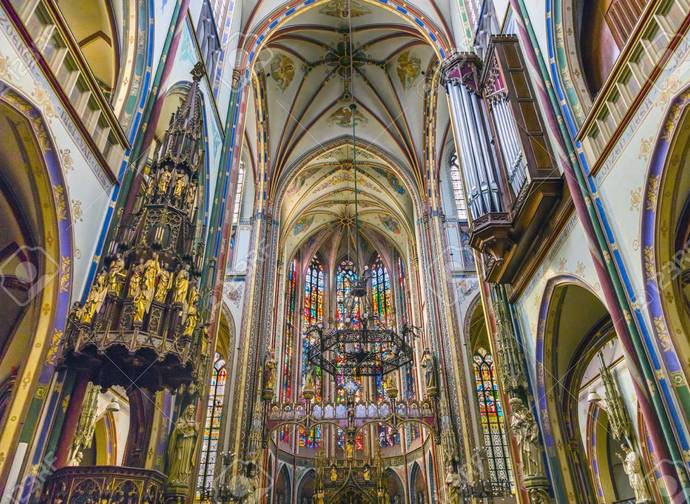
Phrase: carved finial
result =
(198, 71)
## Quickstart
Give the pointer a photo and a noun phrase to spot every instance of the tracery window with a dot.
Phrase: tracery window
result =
(288, 354)
(491, 415)
(344, 280)
(313, 293)
(382, 298)
(214, 410)
(314, 286)
(458, 192)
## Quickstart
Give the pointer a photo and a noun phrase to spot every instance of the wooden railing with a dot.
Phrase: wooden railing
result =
(60, 55)
(661, 29)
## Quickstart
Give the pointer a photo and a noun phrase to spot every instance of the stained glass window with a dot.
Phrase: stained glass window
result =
(491, 415)
(314, 286)
(382, 298)
(288, 355)
(344, 279)
(413, 431)
(313, 293)
(209, 447)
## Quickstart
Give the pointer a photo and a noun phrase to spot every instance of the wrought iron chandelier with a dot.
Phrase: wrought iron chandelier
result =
(363, 345)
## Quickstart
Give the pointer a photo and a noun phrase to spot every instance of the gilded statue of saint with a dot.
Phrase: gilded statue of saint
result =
(95, 299)
(178, 188)
(164, 181)
(163, 285)
(135, 280)
(116, 275)
(191, 320)
(190, 198)
(181, 448)
(151, 269)
(181, 285)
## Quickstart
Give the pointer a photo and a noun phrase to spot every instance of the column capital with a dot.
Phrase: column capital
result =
(462, 68)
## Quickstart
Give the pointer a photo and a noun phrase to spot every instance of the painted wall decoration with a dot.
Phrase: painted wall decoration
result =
(339, 9)
(390, 224)
(409, 67)
(282, 70)
(302, 224)
(344, 117)
(392, 180)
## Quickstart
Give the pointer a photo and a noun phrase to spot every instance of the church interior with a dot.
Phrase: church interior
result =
(344, 251)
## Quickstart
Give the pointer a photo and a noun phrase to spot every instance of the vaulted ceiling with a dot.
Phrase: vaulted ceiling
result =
(299, 119)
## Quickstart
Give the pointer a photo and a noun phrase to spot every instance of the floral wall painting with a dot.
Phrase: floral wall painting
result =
(408, 69)
(339, 9)
(282, 70)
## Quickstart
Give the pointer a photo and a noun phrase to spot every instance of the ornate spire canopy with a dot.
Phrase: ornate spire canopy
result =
(141, 319)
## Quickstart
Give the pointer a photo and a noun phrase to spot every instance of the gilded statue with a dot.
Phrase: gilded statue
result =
(135, 280)
(116, 275)
(95, 299)
(524, 428)
(164, 283)
(633, 469)
(193, 294)
(181, 285)
(190, 197)
(181, 448)
(151, 269)
(191, 320)
(178, 188)
(140, 306)
(164, 181)
(429, 372)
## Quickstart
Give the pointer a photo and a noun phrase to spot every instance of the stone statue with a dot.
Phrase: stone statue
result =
(181, 449)
(633, 468)
(453, 481)
(269, 376)
(181, 285)
(526, 432)
(116, 275)
(95, 299)
(429, 372)
(163, 285)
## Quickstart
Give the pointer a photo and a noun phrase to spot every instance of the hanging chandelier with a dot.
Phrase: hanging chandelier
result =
(362, 345)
